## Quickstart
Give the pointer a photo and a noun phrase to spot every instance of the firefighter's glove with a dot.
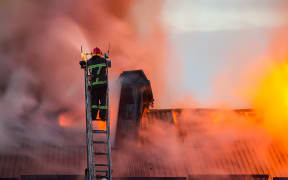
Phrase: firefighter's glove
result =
(109, 63)
(82, 64)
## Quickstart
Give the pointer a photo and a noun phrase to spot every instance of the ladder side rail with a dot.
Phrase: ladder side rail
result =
(108, 128)
(87, 126)
(89, 136)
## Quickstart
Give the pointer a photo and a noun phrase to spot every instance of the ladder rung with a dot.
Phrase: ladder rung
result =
(101, 164)
(101, 177)
(103, 171)
(99, 142)
(104, 120)
(99, 131)
(100, 153)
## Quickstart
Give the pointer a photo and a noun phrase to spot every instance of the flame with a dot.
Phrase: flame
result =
(65, 120)
(144, 120)
(174, 118)
(270, 100)
(101, 125)
(83, 56)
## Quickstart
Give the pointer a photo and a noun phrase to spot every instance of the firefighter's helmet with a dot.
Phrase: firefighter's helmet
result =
(97, 51)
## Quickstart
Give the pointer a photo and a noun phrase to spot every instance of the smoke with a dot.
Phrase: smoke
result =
(223, 142)
(268, 91)
(255, 73)
(198, 142)
(40, 76)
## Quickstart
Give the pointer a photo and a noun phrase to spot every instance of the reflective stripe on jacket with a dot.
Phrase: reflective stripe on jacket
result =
(97, 68)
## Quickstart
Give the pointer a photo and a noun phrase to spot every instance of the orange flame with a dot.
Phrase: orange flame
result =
(101, 125)
(270, 100)
(174, 118)
(65, 120)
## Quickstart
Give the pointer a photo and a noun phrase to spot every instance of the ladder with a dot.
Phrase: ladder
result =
(97, 140)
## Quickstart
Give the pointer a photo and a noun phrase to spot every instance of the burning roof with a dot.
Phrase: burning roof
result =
(238, 156)
(198, 143)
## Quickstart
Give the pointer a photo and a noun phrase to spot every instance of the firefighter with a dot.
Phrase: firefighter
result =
(97, 67)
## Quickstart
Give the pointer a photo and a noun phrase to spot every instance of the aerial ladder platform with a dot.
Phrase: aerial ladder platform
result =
(97, 136)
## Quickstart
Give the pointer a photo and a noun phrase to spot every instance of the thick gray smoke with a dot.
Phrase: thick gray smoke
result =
(40, 77)
(207, 142)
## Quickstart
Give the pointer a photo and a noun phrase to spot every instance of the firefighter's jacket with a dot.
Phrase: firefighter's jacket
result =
(97, 67)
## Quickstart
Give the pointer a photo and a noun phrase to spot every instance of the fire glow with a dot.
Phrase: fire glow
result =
(270, 100)
(65, 120)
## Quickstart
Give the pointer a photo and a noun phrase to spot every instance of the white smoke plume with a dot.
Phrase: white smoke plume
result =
(40, 76)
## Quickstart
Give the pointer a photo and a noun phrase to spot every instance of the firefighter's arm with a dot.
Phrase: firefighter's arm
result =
(109, 63)
(82, 64)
